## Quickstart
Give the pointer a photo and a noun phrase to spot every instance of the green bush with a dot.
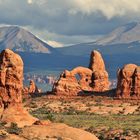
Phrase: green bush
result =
(13, 129)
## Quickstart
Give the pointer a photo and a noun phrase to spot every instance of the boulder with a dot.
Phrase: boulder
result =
(128, 84)
(11, 85)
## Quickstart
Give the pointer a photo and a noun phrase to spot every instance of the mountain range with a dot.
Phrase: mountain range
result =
(21, 40)
(119, 47)
(123, 40)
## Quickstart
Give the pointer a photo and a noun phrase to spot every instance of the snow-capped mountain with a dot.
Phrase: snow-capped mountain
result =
(122, 35)
(21, 40)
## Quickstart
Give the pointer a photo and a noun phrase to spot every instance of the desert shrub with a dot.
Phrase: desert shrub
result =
(13, 129)
(73, 111)
(98, 104)
(69, 111)
(43, 113)
(33, 105)
(24, 100)
(91, 129)
(2, 124)
(101, 136)
(50, 117)
(109, 105)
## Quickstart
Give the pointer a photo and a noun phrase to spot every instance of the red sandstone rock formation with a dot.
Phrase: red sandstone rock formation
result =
(100, 80)
(80, 79)
(33, 88)
(128, 81)
(11, 84)
(66, 85)
(137, 81)
(96, 61)
(84, 77)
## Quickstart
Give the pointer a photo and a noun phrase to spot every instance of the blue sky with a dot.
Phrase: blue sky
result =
(65, 22)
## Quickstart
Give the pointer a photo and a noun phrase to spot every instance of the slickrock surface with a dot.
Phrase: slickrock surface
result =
(53, 132)
(11, 84)
(80, 79)
(128, 81)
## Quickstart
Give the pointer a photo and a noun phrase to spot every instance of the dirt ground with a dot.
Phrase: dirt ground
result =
(106, 117)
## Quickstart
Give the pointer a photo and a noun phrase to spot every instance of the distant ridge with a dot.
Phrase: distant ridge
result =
(127, 33)
(21, 40)
(124, 39)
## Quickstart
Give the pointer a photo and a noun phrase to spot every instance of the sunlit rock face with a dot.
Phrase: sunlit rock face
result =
(11, 85)
(81, 79)
(100, 76)
(66, 85)
(11, 77)
(128, 81)
(33, 87)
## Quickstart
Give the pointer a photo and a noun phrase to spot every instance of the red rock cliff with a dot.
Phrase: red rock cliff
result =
(11, 85)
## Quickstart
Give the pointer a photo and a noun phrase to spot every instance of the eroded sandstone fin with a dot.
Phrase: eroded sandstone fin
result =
(96, 61)
(11, 85)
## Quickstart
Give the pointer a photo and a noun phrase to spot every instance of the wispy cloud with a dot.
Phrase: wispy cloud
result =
(109, 8)
(55, 43)
(29, 1)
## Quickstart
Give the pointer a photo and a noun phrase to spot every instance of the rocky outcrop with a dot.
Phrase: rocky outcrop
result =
(137, 82)
(66, 85)
(11, 84)
(80, 79)
(128, 81)
(11, 77)
(53, 132)
(96, 61)
(33, 87)
(100, 80)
